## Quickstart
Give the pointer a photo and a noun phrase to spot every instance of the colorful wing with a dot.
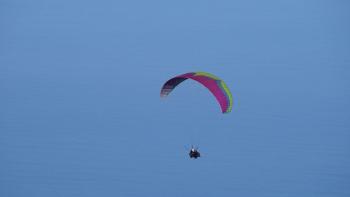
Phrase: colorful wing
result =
(215, 85)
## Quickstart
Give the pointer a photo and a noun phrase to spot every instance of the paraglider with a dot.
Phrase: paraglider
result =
(194, 153)
(214, 84)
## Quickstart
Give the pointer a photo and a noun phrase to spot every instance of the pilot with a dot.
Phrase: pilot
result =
(194, 153)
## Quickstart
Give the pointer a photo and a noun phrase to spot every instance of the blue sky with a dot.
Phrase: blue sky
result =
(81, 114)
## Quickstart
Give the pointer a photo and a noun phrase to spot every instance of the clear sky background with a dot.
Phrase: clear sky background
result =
(80, 113)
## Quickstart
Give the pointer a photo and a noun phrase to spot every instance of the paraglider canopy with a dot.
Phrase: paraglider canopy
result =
(214, 84)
